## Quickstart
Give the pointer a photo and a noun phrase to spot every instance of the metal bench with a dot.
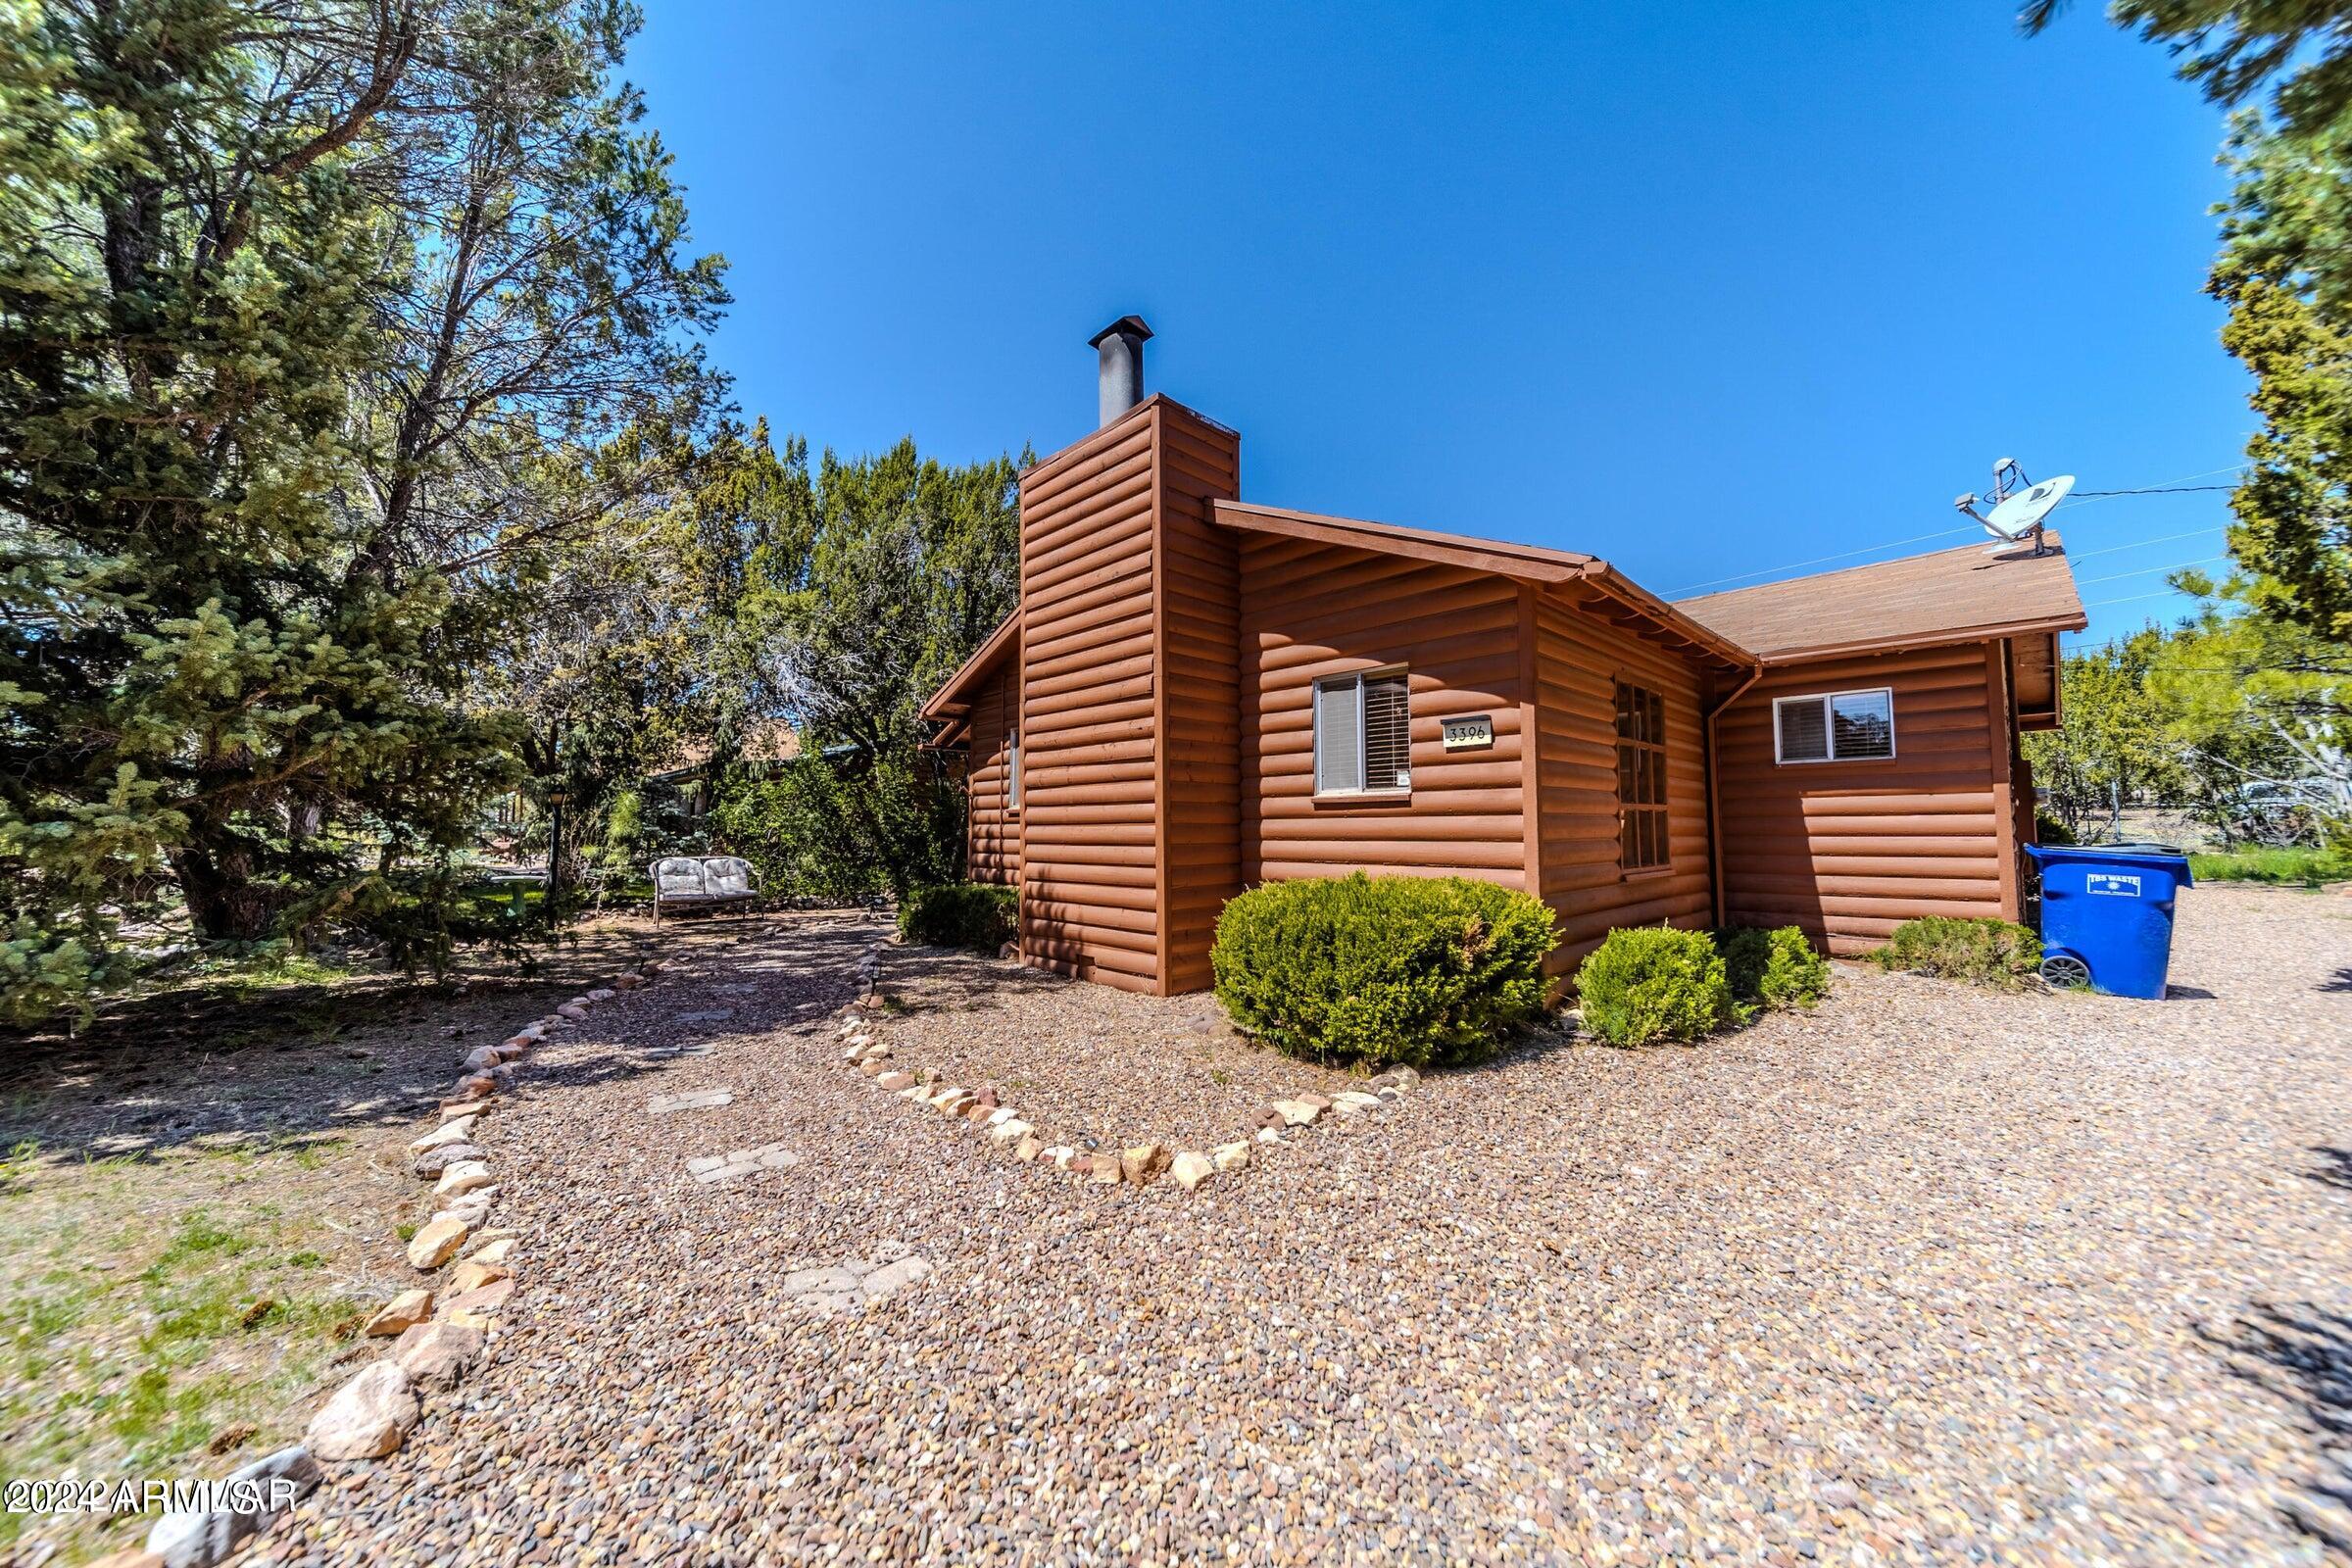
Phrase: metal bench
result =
(682, 882)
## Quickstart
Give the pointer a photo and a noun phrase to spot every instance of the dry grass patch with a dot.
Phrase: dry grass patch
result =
(207, 1190)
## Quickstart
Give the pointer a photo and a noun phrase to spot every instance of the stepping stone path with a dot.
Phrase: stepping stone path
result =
(707, 1100)
(845, 1286)
(699, 1048)
(717, 1015)
(712, 1170)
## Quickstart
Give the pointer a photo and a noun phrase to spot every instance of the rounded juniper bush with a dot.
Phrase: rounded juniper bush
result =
(1416, 970)
(1649, 983)
(1777, 968)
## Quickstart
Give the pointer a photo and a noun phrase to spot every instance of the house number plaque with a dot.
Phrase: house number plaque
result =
(1470, 733)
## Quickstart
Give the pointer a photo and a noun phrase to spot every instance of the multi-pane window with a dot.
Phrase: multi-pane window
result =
(1363, 734)
(1641, 778)
(1834, 727)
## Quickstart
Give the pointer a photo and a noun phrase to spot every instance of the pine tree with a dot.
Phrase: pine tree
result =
(317, 318)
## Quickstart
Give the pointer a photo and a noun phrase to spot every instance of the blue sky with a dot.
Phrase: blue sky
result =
(1710, 290)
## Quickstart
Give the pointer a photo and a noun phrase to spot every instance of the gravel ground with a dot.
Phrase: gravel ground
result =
(1927, 1276)
(1084, 1061)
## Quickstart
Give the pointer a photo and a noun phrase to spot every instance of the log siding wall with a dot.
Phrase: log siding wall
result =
(1089, 887)
(1130, 802)
(1580, 657)
(1200, 692)
(1850, 849)
(993, 833)
(1310, 610)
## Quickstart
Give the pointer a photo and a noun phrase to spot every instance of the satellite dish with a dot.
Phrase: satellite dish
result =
(2023, 513)
(2020, 507)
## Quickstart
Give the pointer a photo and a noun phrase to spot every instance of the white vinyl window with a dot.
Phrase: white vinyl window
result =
(1013, 771)
(1363, 734)
(1834, 727)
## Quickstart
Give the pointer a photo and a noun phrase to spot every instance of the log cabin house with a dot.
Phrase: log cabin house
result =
(1197, 694)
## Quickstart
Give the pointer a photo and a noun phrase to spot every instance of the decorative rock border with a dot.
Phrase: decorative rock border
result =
(438, 1335)
(1136, 1165)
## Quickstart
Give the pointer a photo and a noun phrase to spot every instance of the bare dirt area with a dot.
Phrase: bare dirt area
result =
(1085, 1060)
(1927, 1276)
(203, 1194)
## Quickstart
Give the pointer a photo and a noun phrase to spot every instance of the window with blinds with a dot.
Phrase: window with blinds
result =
(1641, 778)
(1834, 727)
(1363, 734)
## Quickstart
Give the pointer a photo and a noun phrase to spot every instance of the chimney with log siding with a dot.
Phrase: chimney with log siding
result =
(1129, 681)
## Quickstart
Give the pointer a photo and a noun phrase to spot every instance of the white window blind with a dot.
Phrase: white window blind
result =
(1862, 724)
(1363, 734)
(1339, 736)
(1388, 734)
(1835, 726)
(1804, 729)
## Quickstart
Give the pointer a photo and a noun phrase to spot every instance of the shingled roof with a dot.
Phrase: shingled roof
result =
(1967, 595)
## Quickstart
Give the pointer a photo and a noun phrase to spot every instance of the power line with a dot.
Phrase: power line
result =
(1818, 560)
(2161, 593)
(2179, 486)
(2160, 487)
(2092, 582)
(2155, 490)
(2138, 543)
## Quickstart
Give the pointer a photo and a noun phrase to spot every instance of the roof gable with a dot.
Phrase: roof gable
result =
(1582, 576)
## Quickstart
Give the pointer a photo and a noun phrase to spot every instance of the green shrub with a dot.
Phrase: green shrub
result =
(1417, 970)
(2048, 829)
(980, 916)
(1772, 968)
(624, 825)
(1981, 951)
(1648, 983)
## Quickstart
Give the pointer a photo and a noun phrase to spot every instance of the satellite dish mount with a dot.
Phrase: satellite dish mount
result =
(2019, 507)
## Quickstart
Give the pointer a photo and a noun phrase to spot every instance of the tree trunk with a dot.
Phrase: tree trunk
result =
(224, 902)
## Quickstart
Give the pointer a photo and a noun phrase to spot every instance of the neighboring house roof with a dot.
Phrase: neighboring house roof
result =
(1972, 594)
(766, 740)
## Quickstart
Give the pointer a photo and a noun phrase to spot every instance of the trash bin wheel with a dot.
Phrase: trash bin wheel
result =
(2065, 971)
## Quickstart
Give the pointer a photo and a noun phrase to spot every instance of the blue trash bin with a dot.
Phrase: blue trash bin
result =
(2107, 914)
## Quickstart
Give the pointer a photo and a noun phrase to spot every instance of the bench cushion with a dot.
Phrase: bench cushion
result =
(718, 879)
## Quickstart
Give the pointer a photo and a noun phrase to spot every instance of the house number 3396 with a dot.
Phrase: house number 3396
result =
(1467, 733)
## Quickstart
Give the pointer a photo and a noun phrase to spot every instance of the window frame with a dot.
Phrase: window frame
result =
(1829, 727)
(1013, 771)
(1662, 807)
(1360, 679)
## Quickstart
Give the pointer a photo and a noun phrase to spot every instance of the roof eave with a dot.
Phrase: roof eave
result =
(949, 700)
(1526, 562)
(1670, 619)
(1946, 638)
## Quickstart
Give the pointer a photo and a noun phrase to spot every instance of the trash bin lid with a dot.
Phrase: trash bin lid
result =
(2107, 852)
